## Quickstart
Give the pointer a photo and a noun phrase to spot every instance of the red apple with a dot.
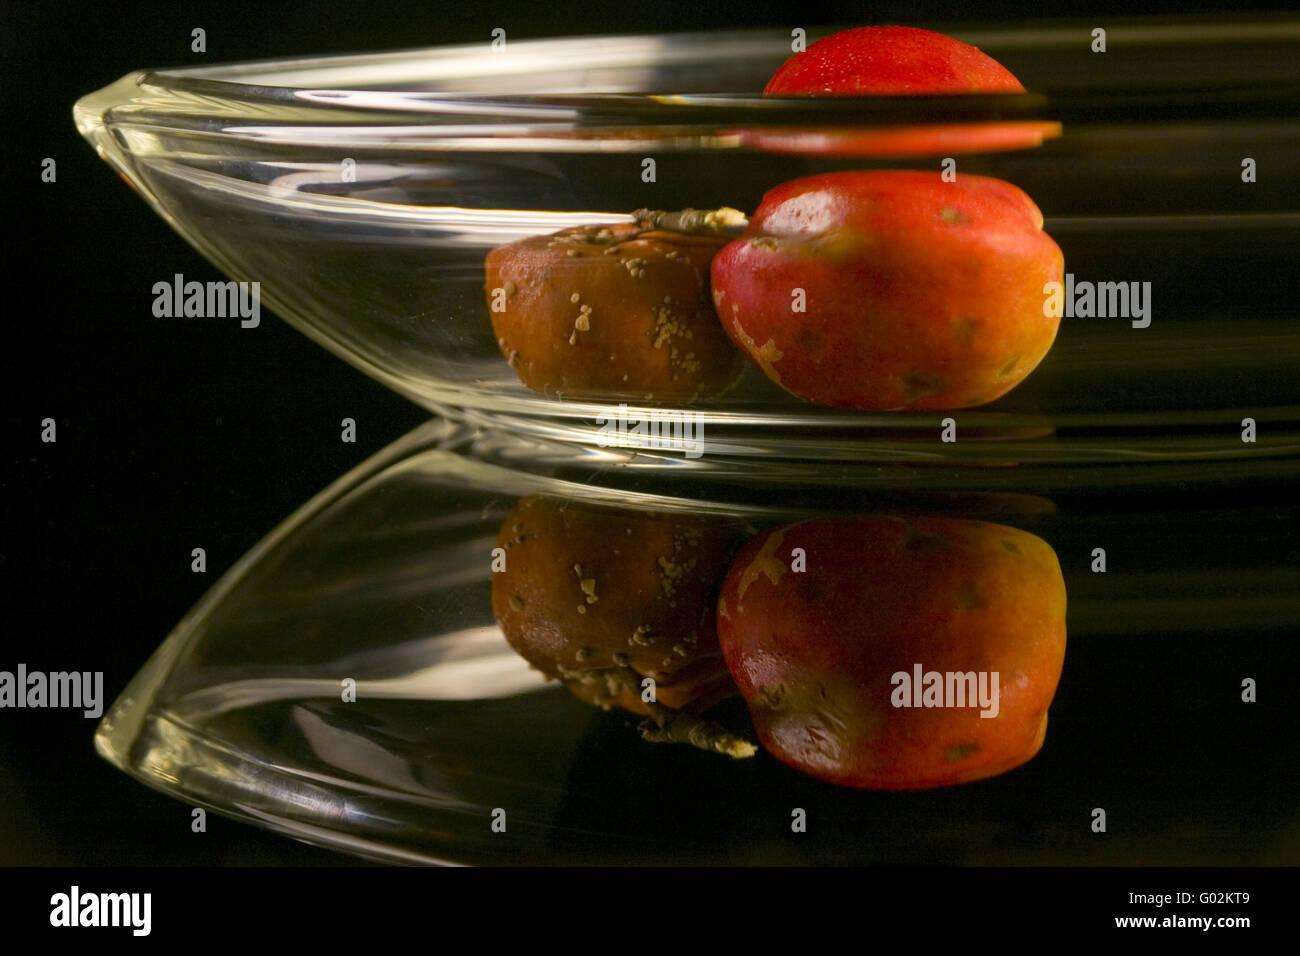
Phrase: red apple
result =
(896, 61)
(891, 290)
(890, 61)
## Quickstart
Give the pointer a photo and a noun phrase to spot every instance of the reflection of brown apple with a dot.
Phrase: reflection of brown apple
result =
(618, 310)
(833, 629)
(603, 598)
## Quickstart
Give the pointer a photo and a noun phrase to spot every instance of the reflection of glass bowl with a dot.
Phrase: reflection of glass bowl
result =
(385, 578)
(363, 192)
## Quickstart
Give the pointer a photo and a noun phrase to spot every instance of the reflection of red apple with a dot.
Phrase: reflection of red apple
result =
(891, 290)
(896, 61)
(931, 139)
(817, 637)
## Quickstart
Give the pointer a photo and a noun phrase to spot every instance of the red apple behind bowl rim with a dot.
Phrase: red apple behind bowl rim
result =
(896, 61)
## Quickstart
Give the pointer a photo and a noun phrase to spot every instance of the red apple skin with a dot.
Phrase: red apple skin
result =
(813, 652)
(890, 60)
(918, 294)
(896, 61)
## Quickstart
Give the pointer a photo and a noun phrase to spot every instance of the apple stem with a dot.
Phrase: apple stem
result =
(724, 221)
(674, 727)
(669, 726)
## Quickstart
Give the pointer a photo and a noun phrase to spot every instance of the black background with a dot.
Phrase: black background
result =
(174, 434)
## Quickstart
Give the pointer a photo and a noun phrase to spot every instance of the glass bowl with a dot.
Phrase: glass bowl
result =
(363, 193)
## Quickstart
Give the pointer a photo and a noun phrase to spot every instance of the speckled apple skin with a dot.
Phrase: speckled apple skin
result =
(613, 311)
(586, 588)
